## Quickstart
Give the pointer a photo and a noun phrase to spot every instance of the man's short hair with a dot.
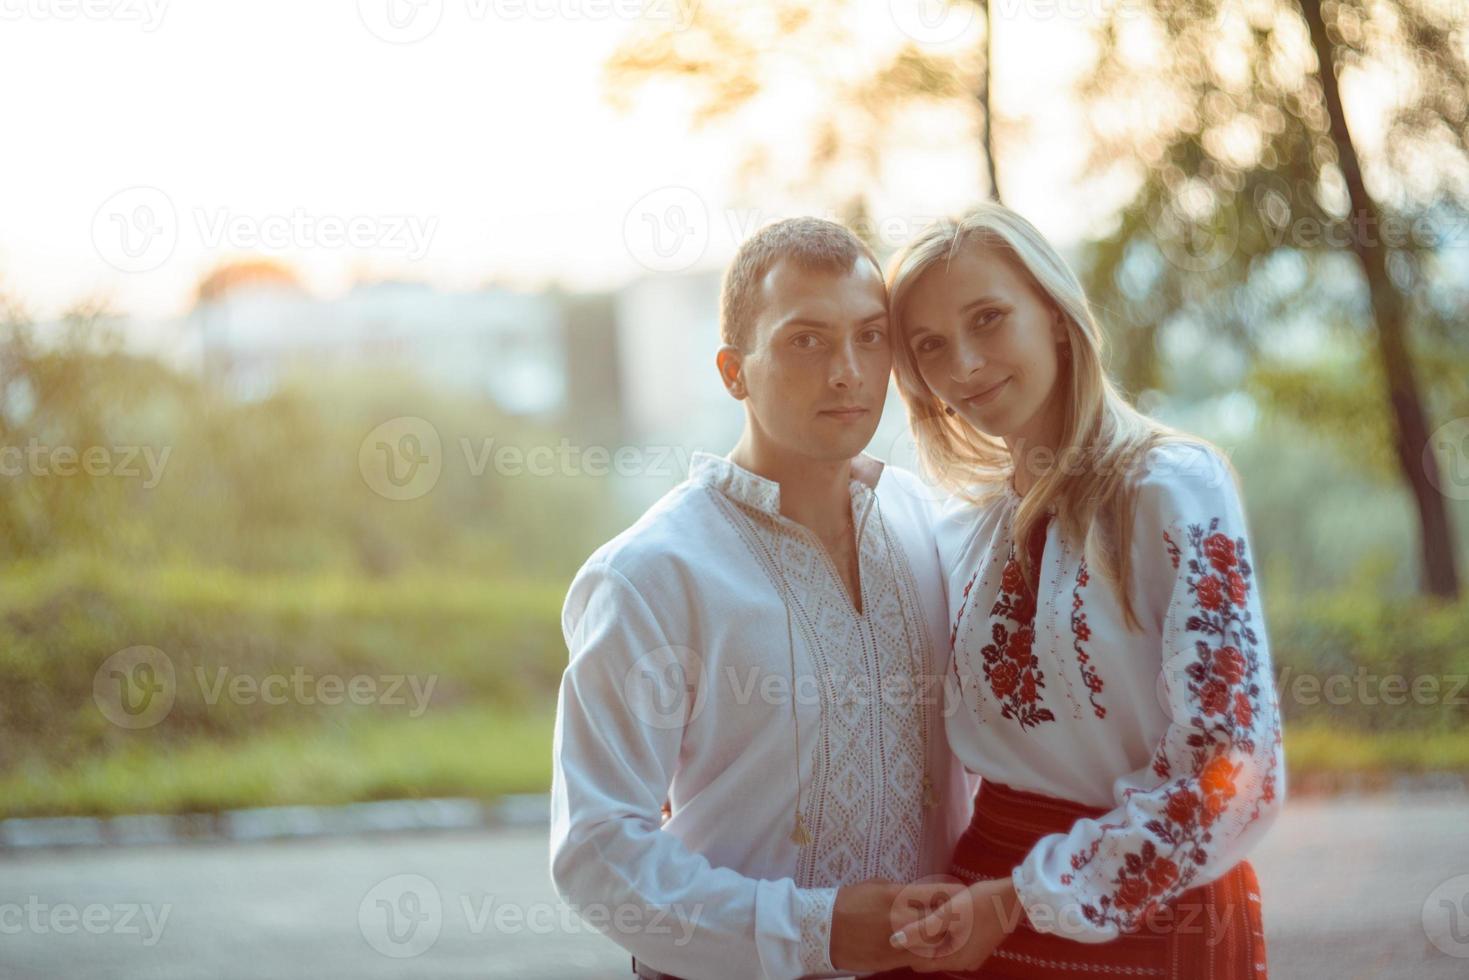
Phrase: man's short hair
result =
(813, 244)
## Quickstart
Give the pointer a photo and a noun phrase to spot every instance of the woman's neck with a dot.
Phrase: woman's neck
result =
(1041, 434)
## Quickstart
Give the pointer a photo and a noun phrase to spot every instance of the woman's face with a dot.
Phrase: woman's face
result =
(985, 341)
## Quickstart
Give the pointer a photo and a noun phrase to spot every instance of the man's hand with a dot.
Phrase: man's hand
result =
(868, 913)
(963, 933)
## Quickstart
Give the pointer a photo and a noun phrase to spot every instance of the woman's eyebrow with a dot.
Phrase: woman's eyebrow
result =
(982, 301)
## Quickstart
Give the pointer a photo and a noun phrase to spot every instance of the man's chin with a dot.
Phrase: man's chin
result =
(834, 447)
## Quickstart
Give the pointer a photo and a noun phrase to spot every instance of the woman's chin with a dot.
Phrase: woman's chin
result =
(989, 423)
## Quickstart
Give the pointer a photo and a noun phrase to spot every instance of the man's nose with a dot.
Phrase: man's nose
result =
(845, 367)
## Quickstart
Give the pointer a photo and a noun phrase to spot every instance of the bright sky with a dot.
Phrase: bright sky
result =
(149, 140)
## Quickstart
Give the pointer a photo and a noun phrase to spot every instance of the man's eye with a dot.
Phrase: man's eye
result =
(874, 335)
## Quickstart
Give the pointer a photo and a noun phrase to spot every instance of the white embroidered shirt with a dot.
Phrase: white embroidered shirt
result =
(1174, 730)
(679, 688)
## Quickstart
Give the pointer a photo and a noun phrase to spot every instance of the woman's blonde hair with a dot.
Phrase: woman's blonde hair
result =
(1103, 438)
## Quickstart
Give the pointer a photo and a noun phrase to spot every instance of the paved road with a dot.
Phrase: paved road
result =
(1345, 887)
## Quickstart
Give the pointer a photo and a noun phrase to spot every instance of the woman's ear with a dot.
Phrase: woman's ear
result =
(730, 361)
(1058, 327)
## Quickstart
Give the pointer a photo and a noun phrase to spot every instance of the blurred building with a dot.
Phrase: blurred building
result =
(668, 331)
(634, 367)
(254, 324)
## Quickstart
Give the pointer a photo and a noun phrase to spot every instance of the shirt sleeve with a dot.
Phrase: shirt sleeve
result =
(625, 699)
(1216, 779)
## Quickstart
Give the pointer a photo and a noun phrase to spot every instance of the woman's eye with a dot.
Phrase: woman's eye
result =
(805, 340)
(927, 345)
(986, 318)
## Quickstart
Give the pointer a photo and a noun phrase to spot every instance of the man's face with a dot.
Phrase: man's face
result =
(816, 372)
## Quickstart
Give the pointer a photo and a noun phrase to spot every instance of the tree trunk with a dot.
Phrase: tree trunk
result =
(987, 134)
(1440, 572)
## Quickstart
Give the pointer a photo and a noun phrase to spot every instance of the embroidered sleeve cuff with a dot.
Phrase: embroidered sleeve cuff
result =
(816, 907)
(1058, 912)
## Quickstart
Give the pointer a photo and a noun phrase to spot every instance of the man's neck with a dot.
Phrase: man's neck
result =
(813, 492)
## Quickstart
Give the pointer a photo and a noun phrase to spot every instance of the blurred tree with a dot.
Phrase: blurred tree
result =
(73, 469)
(1266, 220)
(730, 56)
(116, 456)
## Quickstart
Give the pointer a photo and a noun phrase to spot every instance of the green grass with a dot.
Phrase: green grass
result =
(1318, 748)
(494, 650)
(473, 752)
(477, 753)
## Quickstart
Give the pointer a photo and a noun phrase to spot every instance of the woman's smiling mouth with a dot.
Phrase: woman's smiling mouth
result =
(986, 395)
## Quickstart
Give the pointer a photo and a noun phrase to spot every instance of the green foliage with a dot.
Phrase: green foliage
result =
(483, 642)
(243, 540)
(272, 484)
(494, 651)
(1357, 663)
(475, 751)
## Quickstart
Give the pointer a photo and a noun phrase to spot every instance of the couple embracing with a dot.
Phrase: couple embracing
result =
(1015, 720)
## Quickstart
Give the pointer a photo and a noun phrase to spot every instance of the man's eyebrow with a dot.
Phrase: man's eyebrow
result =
(803, 321)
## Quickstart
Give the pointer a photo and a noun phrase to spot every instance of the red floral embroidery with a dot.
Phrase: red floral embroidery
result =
(1223, 686)
(1080, 633)
(1010, 665)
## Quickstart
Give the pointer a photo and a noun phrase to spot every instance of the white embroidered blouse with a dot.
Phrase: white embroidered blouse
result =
(1174, 730)
(679, 689)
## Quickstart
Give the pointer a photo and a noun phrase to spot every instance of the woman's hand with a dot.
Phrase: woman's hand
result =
(963, 932)
(867, 912)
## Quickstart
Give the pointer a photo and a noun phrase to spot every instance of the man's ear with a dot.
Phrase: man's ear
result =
(730, 361)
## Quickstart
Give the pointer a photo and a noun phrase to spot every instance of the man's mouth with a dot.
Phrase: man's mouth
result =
(847, 414)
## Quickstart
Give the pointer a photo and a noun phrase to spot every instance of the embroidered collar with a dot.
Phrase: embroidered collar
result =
(752, 489)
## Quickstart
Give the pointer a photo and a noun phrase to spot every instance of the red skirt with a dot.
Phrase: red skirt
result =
(1212, 932)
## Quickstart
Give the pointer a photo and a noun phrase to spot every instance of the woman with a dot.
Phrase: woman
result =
(1110, 679)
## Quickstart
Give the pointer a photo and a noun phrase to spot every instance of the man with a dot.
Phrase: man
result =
(764, 651)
